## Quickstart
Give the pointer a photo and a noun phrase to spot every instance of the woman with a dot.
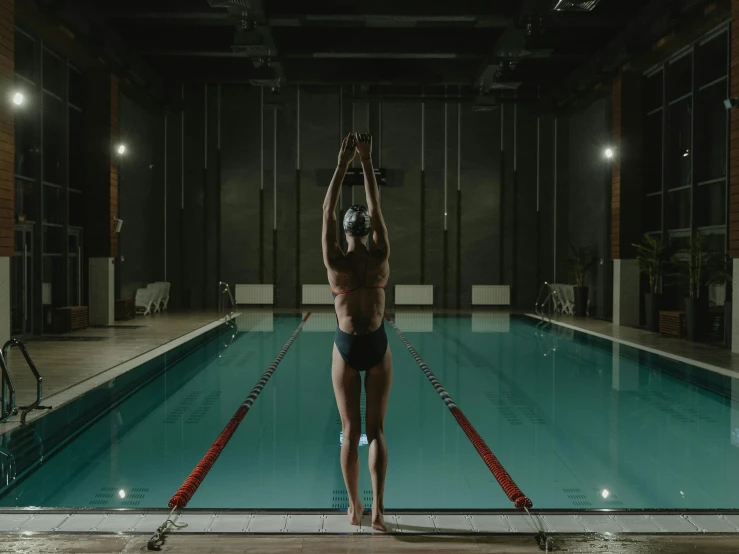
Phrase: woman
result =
(358, 279)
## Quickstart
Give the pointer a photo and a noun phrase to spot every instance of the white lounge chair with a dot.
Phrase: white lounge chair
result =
(157, 292)
(144, 299)
(565, 298)
(165, 297)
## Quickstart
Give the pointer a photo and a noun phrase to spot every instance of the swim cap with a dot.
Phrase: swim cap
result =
(357, 221)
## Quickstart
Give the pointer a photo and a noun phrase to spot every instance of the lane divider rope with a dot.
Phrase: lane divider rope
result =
(185, 493)
(191, 484)
(519, 499)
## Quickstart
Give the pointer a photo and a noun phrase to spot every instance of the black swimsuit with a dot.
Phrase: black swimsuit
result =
(361, 352)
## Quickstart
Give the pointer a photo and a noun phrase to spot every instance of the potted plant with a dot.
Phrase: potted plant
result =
(721, 274)
(652, 256)
(700, 268)
(580, 263)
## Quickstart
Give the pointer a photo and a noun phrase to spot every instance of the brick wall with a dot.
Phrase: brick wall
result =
(7, 133)
(616, 171)
(114, 134)
(734, 139)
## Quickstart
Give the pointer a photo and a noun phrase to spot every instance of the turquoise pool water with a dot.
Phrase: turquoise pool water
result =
(578, 422)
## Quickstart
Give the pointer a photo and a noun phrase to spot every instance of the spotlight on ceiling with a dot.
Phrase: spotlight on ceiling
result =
(608, 153)
(121, 149)
(18, 98)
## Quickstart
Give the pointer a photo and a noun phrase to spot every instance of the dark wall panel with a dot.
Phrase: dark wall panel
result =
(193, 239)
(240, 184)
(140, 194)
(173, 201)
(589, 195)
(434, 264)
(319, 148)
(286, 294)
(401, 154)
(480, 184)
(525, 230)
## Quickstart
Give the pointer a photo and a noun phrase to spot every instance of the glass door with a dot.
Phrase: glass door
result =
(75, 267)
(21, 283)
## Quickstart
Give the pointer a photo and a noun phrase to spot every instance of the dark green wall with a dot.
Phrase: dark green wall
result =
(496, 231)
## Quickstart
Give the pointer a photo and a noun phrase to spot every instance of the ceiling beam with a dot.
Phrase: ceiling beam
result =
(159, 53)
(227, 19)
(385, 21)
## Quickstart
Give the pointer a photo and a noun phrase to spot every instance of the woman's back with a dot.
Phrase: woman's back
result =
(358, 280)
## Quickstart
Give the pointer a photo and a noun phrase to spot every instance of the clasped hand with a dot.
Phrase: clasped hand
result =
(353, 143)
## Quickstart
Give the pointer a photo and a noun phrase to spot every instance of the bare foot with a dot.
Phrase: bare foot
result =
(355, 517)
(378, 521)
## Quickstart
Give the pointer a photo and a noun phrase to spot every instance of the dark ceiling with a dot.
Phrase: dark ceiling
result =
(488, 47)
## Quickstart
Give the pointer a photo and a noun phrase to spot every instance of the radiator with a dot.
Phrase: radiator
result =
(415, 322)
(414, 295)
(491, 295)
(320, 323)
(255, 294)
(317, 294)
(490, 323)
(255, 322)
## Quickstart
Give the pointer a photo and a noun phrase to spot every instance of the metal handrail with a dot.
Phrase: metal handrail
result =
(549, 299)
(7, 400)
(39, 380)
(223, 289)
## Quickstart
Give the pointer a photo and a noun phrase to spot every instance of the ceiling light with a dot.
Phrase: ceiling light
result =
(606, 493)
(121, 149)
(575, 5)
(18, 98)
(609, 153)
(122, 493)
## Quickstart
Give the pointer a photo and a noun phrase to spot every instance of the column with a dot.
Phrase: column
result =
(7, 163)
(733, 222)
(626, 201)
(101, 136)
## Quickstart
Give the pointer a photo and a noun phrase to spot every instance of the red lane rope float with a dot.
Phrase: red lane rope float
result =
(519, 499)
(191, 484)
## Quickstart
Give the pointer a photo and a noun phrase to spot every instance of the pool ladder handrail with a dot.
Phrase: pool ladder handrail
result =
(225, 289)
(9, 408)
(548, 301)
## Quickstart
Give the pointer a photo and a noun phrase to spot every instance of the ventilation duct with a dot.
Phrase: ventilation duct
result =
(575, 5)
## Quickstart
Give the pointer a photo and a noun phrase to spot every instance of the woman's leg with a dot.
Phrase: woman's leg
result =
(347, 389)
(377, 387)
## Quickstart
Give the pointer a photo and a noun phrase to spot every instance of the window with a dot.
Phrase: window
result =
(54, 205)
(677, 209)
(24, 56)
(679, 77)
(678, 157)
(76, 87)
(711, 120)
(54, 70)
(76, 150)
(25, 151)
(26, 199)
(53, 237)
(711, 60)
(653, 147)
(711, 204)
(653, 92)
(53, 140)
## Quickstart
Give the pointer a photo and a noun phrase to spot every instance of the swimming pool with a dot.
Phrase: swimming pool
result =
(578, 422)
